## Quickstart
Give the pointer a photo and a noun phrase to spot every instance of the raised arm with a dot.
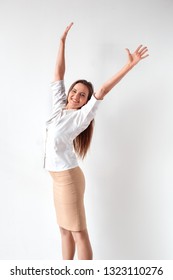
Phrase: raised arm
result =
(60, 61)
(133, 58)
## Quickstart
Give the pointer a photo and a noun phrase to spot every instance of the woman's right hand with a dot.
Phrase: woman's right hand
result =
(60, 61)
(63, 37)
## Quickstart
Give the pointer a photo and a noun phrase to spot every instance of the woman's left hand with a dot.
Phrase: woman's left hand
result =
(64, 35)
(140, 53)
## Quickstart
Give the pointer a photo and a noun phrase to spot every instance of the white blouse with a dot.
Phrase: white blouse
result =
(62, 127)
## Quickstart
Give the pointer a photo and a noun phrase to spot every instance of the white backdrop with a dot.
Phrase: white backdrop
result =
(129, 167)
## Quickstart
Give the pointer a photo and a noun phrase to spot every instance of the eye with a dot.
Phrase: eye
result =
(82, 94)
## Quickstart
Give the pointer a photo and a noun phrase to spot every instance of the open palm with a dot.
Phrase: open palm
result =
(139, 53)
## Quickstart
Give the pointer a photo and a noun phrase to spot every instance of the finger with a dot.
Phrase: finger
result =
(144, 52)
(142, 57)
(127, 51)
(144, 49)
(138, 48)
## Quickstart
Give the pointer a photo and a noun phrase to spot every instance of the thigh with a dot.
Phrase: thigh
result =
(68, 192)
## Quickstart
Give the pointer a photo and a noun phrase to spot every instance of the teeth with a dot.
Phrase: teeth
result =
(75, 101)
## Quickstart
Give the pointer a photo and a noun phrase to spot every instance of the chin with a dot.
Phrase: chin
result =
(75, 106)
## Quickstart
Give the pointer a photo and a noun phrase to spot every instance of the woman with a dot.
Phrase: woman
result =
(69, 133)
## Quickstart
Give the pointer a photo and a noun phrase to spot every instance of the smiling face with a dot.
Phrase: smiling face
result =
(78, 96)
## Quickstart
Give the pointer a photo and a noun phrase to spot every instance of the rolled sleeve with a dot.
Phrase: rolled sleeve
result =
(59, 96)
(86, 114)
(58, 99)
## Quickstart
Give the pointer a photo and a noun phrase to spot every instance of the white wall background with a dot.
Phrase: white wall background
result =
(129, 169)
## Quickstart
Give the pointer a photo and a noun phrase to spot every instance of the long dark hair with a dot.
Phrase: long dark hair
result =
(83, 140)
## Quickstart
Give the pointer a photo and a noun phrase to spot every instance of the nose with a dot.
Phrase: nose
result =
(76, 96)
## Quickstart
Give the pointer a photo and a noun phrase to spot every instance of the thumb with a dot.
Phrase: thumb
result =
(127, 51)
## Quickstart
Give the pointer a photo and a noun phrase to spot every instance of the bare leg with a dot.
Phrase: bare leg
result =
(83, 245)
(68, 244)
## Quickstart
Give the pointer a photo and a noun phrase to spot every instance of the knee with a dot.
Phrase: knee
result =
(79, 235)
(64, 232)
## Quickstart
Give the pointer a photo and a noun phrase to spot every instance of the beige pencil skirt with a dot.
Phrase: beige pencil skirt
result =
(68, 192)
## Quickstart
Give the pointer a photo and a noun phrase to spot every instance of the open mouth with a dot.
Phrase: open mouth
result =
(75, 101)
